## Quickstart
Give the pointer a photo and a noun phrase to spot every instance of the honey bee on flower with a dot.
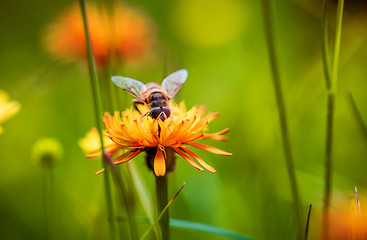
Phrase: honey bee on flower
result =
(156, 97)
(158, 127)
(136, 134)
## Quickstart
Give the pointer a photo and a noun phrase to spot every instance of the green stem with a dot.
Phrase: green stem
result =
(332, 80)
(339, 18)
(98, 115)
(282, 114)
(121, 189)
(325, 45)
(328, 160)
(162, 200)
(48, 201)
(356, 113)
(112, 89)
(162, 213)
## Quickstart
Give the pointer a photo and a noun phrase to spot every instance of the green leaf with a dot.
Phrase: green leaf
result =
(207, 228)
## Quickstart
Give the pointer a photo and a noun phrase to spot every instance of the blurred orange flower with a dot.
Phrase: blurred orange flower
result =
(136, 134)
(349, 221)
(121, 33)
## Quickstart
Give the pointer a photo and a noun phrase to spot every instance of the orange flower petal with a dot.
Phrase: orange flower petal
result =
(100, 171)
(209, 148)
(159, 163)
(212, 116)
(201, 161)
(123, 158)
(93, 155)
(126, 157)
(217, 136)
(188, 159)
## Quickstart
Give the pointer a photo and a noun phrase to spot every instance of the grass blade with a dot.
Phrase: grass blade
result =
(338, 32)
(162, 213)
(330, 106)
(267, 12)
(325, 45)
(356, 113)
(308, 222)
(98, 114)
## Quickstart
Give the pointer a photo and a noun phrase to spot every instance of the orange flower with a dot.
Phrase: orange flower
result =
(349, 221)
(122, 33)
(135, 133)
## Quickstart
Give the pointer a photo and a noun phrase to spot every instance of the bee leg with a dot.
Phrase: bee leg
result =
(147, 113)
(162, 116)
(136, 102)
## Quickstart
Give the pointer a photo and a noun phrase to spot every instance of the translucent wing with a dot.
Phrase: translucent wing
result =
(173, 82)
(131, 86)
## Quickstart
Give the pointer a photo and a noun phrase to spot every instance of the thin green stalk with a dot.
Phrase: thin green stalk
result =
(48, 202)
(325, 45)
(142, 192)
(162, 212)
(282, 114)
(308, 222)
(338, 32)
(121, 189)
(356, 113)
(328, 160)
(98, 115)
(162, 200)
(332, 79)
(112, 90)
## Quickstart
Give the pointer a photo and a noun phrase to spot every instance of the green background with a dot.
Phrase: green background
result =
(222, 45)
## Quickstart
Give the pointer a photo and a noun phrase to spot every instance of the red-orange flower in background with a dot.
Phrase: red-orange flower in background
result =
(136, 134)
(121, 33)
(348, 221)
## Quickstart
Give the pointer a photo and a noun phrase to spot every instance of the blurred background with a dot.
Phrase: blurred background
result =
(222, 45)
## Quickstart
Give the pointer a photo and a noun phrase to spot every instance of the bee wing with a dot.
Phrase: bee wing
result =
(173, 82)
(134, 87)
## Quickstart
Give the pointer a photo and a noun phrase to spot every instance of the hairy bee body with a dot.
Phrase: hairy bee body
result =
(156, 97)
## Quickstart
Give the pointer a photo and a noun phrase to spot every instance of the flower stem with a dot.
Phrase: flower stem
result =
(282, 114)
(98, 112)
(331, 80)
(121, 190)
(325, 45)
(162, 200)
(162, 212)
(48, 202)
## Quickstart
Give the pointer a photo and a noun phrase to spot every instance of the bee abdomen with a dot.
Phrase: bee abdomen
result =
(157, 100)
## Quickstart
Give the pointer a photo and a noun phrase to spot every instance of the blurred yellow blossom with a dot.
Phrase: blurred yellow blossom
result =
(7, 108)
(91, 144)
(47, 151)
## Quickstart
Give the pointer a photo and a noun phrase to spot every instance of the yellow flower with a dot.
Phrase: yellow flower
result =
(7, 108)
(135, 133)
(91, 144)
(47, 151)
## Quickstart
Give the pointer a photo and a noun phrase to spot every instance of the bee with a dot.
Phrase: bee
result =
(156, 97)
